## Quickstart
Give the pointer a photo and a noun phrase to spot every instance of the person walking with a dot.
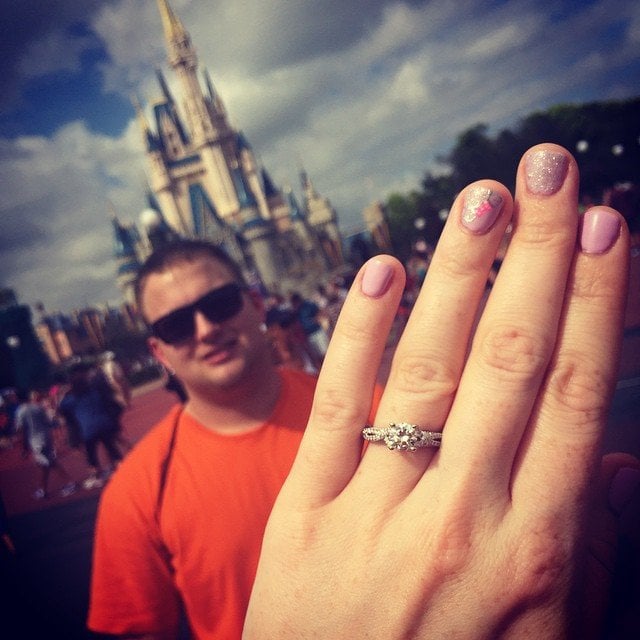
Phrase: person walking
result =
(37, 430)
(91, 411)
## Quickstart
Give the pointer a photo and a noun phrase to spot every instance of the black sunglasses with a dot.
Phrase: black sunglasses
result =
(218, 305)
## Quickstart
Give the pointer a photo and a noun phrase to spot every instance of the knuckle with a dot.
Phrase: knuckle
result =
(544, 232)
(579, 388)
(420, 374)
(332, 410)
(451, 547)
(540, 560)
(457, 266)
(597, 287)
(514, 352)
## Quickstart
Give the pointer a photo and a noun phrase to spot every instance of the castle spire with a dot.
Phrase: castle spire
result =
(173, 28)
(150, 139)
(164, 87)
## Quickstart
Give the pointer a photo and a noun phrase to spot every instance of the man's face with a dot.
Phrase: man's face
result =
(217, 355)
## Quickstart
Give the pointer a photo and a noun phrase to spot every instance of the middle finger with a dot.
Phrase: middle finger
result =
(518, 330)
(430, 355)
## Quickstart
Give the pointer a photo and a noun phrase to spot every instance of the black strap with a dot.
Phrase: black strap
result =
(166, 463)
(184, 631)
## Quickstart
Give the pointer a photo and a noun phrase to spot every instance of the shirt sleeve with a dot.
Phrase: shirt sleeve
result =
(132, 588)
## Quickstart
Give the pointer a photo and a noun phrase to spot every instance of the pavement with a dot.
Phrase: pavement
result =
(44, 583)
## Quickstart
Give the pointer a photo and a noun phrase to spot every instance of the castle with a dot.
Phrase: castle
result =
(204, 181)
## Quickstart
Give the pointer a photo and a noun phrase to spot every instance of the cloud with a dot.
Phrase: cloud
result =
(56, 226)
(366, 95)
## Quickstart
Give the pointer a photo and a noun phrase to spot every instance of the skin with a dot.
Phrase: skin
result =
(225, 367)
(492, 535)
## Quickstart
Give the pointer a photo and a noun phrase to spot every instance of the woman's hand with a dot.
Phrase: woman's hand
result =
(488, 535)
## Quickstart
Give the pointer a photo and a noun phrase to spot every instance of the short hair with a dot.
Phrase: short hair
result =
(178, 252)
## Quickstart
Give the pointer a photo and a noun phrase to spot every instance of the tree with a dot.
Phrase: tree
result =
(603, 136)
(402, 212)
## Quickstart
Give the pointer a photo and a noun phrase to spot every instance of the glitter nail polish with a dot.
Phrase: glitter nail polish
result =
(481, 209)
(545, 171)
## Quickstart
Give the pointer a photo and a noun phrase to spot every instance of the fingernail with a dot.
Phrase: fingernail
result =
(376, 278)
(545, 171)
(481, 209)
(600, 229)
(622, 489)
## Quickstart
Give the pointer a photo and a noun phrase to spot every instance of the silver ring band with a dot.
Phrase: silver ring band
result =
(403, 436)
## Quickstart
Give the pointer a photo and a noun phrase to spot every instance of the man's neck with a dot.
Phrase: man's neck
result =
(236, 409)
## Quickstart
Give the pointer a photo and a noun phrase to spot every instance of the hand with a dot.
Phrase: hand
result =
(486, 536)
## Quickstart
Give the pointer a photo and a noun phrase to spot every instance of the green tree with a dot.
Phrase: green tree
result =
(402, 212)
(603, 136)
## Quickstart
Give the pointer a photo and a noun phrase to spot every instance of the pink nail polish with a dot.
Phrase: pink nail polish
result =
(600, 229)
(481, 209)
(376, 278)
(545, 171)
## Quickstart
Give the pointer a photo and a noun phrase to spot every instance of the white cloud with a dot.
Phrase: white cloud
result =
(56, 213)
(366, 99)
(498, 42)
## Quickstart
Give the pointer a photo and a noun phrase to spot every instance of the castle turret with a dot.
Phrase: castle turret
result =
(159, 176)
(207, 140)
(323, 219)
(257, 231)
(299, 223)
(126, 239)
(250, 170)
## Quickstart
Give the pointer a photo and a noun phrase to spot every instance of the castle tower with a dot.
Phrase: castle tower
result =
(126, 239)
(299, 223)
(322, 218)
(159, 177)
(208, 140)
(258, 232)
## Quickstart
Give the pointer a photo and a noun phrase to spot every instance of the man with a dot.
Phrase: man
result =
(180, 524)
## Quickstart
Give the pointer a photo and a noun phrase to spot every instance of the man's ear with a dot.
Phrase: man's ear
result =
(155, 346)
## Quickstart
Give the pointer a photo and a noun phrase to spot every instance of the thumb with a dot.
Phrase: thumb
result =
(619, 484)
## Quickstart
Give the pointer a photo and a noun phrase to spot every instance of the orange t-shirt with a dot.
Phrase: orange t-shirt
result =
(204, 550)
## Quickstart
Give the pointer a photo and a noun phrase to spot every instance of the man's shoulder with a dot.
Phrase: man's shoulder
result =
(296, 379)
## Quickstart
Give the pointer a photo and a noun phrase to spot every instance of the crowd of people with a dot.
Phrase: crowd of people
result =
(82, 412)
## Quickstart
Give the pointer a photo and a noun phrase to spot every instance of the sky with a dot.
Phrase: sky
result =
(366, 94)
